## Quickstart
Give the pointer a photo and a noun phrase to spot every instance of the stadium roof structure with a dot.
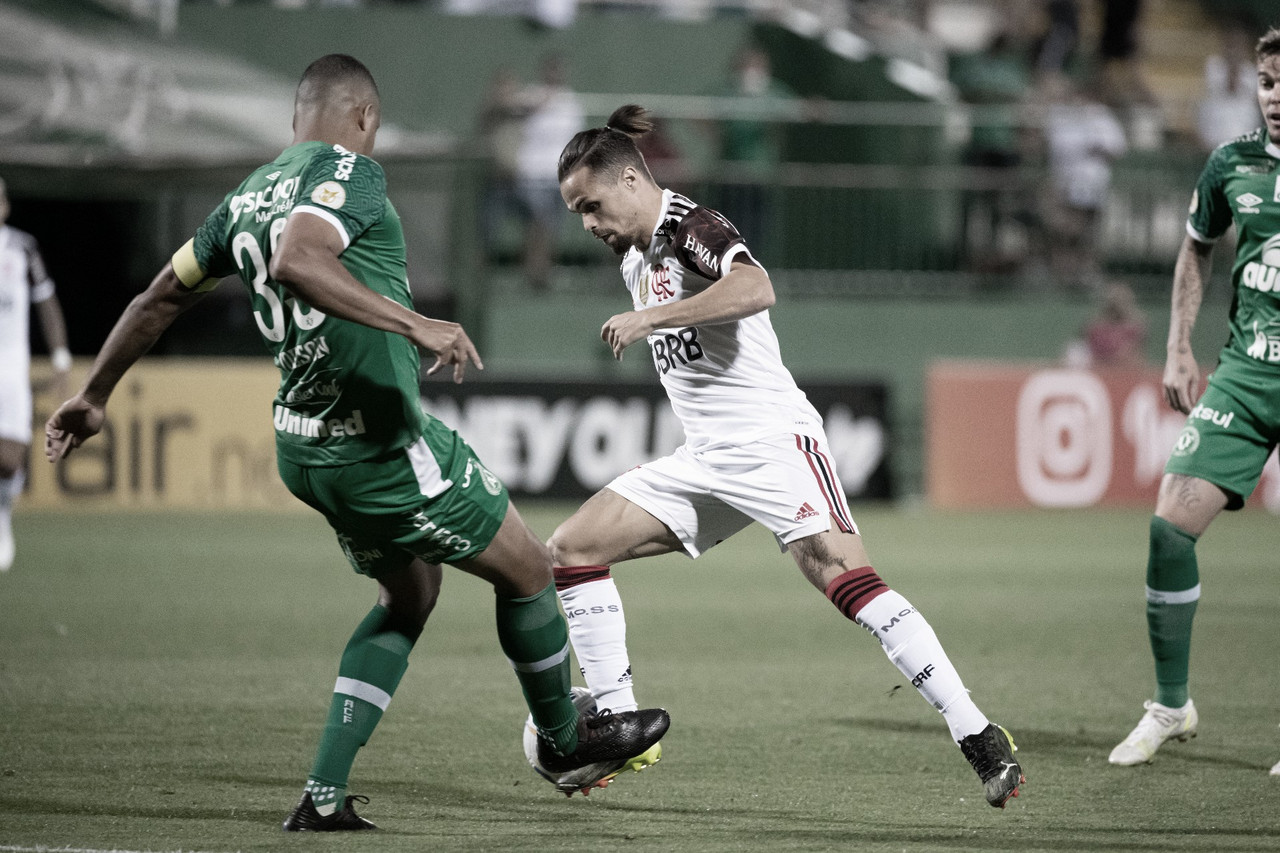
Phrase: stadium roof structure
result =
(82, 87)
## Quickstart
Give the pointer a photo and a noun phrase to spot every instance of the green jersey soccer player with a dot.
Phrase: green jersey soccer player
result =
(313, 237)
(1234, 425)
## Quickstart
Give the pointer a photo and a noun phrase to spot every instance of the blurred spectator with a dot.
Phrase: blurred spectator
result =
(750, 143)
(999, 79)
(1115, 336)
(555, 116)
(1057, 46)
(1116, 54)
(1082, 139)
(1230, 104)
(1122, 78)
(501, 127)
(524, 128)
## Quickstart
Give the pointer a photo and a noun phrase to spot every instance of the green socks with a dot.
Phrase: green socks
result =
(535, 638)
(372, 664)
(1173, 588)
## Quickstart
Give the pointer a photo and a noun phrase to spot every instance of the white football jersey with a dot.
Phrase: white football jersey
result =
(23, 282)
(726, 381)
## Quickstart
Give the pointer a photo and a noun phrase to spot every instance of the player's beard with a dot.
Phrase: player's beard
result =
(617, 243)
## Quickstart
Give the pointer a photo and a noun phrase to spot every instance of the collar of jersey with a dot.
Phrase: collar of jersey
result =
(660, 227)
(1272, 149)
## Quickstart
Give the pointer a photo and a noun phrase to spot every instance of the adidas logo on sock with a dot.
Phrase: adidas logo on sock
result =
(805, 511)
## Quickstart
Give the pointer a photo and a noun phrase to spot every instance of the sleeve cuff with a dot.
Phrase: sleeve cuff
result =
(327, 217)
(189, 271)
(1197, 236)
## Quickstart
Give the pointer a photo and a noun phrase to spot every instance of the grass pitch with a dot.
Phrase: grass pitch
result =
(163, 679)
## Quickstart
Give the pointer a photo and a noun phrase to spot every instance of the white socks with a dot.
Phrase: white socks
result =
(914, 649)
(598, 633)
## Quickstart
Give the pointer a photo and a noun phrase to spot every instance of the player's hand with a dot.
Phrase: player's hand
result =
(450, 345)
(1181, 380)
(622, 330)
(74, 423)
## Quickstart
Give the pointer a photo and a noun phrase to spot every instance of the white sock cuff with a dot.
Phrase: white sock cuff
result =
(1185, 596)
(363, 690)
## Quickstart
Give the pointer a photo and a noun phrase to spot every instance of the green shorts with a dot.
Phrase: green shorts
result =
(432, 500)
(1230, 432)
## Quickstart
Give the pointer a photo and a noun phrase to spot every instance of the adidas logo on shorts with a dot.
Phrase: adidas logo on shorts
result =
(805, 511)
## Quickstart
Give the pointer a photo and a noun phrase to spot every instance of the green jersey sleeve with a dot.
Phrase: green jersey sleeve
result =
(1210, 213)
(346, 189)
(210, 244)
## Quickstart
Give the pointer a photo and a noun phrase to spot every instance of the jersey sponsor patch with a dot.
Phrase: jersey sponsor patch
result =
(1248, 203)
(330, 194)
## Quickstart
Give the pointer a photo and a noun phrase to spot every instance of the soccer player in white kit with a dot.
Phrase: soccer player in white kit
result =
(755, 449)
(23, 284)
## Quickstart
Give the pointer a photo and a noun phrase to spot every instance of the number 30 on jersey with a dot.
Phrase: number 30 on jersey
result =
(248, 255)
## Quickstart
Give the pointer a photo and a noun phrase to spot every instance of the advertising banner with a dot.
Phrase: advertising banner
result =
(187, 434)
(1025, 435)
(198, 435)
(568, 439)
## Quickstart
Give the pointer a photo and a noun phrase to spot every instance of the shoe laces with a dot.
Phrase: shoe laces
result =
(599, 720)
(1158, 718)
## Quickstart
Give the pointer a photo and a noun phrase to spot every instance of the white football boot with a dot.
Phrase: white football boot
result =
(1158, 725)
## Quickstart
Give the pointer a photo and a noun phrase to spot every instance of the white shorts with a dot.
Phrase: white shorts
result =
(787, 483)
(15, 408)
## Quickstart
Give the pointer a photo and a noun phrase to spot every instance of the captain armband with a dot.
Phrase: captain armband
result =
(189, 271)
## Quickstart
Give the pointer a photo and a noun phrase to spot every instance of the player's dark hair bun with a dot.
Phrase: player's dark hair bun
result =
(630, 119)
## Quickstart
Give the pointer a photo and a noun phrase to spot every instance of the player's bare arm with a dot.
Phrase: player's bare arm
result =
(54, 326)
(306, 261)
(745, 290)
(139, 327)
(1181, 373)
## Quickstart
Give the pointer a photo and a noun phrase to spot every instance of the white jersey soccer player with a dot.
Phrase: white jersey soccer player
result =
(726, 381)
(755, 449)
(735, 399)
(24, 283)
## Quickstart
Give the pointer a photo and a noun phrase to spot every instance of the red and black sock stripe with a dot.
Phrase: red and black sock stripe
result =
(571, 576)
(854, 590)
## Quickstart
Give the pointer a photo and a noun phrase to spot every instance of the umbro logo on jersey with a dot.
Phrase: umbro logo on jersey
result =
(1248, 203)
(805, 511)
(273, 176)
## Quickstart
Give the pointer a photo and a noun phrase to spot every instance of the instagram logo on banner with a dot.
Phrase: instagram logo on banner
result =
(1063, 434)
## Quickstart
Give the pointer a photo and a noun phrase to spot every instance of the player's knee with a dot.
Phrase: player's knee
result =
(567, 548)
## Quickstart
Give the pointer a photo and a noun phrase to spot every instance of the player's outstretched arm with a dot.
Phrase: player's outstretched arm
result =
(141, 324)
(306, 261)
(55, 337)
(1181, 373)
(745, 290)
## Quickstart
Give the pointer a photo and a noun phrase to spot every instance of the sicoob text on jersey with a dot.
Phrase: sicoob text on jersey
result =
(266, 204)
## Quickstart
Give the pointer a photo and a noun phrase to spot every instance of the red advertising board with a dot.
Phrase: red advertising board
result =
(1010, 435)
